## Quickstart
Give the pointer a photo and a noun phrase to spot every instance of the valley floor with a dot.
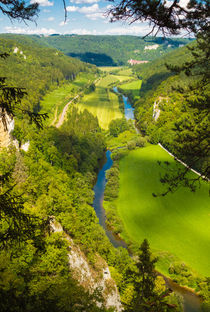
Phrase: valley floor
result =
(176, 223)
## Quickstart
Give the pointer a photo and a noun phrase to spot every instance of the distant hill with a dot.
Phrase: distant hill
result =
(35, 67)
(111, 50)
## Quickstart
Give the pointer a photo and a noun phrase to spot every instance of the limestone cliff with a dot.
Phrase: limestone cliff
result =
(5, 130)
(86, 275)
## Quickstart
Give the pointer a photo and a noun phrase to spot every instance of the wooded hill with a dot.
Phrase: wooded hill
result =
(181, 102)
(110, 50)
(36, 68)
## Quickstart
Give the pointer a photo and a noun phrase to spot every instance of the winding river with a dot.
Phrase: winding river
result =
(191, 302)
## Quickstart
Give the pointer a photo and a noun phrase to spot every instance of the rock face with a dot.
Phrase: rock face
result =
(89, 277)
(5, 130)
(156, 107)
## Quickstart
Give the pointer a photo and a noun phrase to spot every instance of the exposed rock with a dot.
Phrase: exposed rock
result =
(6, 126)
(151, 47)
(25, 146)
(15, 50)
(156, 109)
(90, 278)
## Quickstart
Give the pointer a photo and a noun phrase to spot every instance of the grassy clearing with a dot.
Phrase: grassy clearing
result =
(177, 224)
(102, 103)
(84, 79)
(133, 88)
(123, 78)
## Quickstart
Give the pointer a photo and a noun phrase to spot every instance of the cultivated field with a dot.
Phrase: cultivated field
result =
(53, 102)
(177, 223)
(109, 68)
(101, 103)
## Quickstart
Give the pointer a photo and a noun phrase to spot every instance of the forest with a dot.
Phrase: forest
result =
(55, 254)
(108, 50)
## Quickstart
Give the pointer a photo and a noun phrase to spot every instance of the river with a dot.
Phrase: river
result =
(191, 302)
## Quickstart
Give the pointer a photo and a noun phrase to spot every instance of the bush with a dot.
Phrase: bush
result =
(131, 145)
(140, 142)
(118, 126)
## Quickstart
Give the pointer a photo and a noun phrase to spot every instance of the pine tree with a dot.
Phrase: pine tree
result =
(145, 297)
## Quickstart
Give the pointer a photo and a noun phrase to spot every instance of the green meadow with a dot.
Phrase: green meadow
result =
(108, 80)
(102, 103)
(108, 69)
(177, 224)
(132, 87)
(54, 101)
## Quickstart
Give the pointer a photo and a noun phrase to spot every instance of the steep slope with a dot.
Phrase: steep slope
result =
(173, 108)
(36, 68)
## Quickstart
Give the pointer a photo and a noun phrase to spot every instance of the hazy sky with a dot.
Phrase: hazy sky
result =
(84, 17)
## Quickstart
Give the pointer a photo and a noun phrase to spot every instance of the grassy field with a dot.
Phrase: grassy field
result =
(102, 103)
(132, 87)
(109, 68)
(125, 72)
(177, 223)
(108, 80)
(54, 101)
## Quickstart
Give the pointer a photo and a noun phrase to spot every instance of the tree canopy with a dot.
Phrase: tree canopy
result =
(19, 10)
(168, 17)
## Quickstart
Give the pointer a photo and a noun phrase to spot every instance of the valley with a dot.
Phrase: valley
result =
(94, 166)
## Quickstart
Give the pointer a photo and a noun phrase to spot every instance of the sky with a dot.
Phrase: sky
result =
(84, 17)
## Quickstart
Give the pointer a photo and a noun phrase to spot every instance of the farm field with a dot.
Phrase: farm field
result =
(108, 80)
(132, 87)
(54, 101)
(177, 223)
(101, 103)
(109, 68)
(125, 71)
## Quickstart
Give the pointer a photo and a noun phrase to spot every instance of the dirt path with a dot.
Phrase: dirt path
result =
(62, 116)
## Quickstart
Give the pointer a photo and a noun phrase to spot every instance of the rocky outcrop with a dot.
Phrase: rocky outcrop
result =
(90, 278)
(6, 127)
(156, 107)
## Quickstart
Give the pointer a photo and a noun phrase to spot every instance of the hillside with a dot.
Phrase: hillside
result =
(111, 50)
(54, 253)
(36, 68)
(173, 107)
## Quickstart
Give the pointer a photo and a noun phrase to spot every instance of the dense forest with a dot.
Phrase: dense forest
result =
(171, 104)
(110, 50)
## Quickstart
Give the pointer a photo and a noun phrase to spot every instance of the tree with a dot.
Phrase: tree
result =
(15, 224)
(146, 298)
(172, 18)
(19, 9)
(168, 17)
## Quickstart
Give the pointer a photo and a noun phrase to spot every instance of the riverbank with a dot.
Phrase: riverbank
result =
(191, 301)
